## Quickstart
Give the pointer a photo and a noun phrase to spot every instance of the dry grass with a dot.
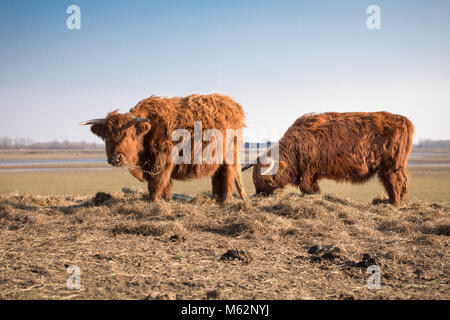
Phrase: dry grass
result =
(128, 248)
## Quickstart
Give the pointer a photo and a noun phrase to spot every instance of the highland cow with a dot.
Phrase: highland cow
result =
(350, 147)
(142, 141)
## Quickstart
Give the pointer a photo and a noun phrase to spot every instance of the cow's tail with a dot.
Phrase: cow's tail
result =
(406, 142)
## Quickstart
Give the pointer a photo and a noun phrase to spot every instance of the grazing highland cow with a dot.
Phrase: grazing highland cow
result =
(343, 147)
(142, 140)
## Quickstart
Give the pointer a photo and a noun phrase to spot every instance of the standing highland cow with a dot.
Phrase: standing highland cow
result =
(142, 140)
(343, 147)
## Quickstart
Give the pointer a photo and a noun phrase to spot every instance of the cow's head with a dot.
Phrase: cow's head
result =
(123, 136)
(266, 173)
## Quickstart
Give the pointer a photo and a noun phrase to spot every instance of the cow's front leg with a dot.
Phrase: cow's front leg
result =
(309, 184)
(159, 185)
(167, 192)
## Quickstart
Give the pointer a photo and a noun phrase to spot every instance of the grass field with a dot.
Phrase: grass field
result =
(429, 181)
(128, 248)
(426, 183)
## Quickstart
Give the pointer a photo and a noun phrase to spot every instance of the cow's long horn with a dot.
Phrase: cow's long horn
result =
(269, 168)
(93, 121)
(136, 120)
(247, 166)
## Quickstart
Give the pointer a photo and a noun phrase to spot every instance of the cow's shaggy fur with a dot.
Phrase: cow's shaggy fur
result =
(343, 147)
(146, 147)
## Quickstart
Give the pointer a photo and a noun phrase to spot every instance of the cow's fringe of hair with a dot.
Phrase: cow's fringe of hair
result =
(154, 172)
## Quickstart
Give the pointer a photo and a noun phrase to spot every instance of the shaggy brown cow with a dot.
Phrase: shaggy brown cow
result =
(343, 147)
(142, 141)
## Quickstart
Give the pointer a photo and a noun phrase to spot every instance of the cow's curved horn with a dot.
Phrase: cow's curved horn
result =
(137, 120)
(247, 166)
(93, 121)
(269, 168)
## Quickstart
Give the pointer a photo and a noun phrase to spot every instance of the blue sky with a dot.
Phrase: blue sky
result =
(279, 59)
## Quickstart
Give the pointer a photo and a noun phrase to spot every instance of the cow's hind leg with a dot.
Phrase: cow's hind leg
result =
(238, 182)
(396, 184)
(217, 185)
(404, 188)
(222, 182)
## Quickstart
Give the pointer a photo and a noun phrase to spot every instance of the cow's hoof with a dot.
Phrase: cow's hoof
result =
(377, 201)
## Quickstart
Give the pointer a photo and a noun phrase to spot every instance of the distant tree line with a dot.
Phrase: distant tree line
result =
(26, 143)
(428, 143)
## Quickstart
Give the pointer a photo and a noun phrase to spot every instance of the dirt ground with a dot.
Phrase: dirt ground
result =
(127, 248)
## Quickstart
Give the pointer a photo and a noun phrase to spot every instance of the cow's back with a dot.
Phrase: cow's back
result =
(214, 111)
(337, 144)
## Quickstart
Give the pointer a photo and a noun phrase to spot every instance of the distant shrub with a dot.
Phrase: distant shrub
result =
(26, 143)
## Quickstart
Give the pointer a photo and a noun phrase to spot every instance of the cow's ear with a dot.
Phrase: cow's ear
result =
(99, 130)
(142, 128)
(281, 166)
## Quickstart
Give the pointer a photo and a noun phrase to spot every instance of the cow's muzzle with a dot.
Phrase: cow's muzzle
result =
(115, 159)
